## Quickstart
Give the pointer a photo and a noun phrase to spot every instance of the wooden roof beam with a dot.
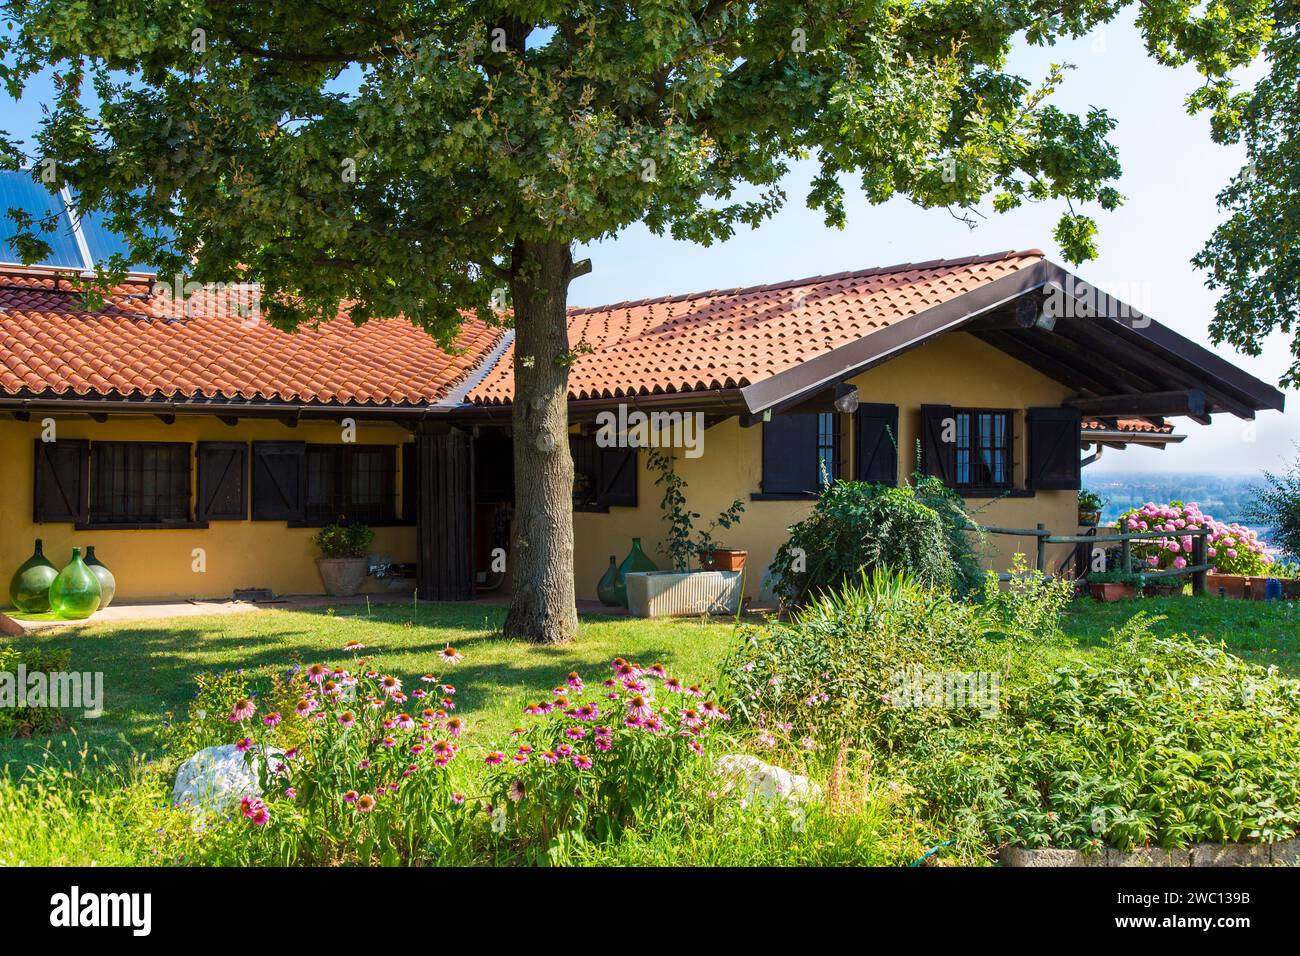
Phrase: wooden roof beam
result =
(1190, 402)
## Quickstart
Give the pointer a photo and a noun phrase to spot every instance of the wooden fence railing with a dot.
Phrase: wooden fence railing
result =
(1197, 567)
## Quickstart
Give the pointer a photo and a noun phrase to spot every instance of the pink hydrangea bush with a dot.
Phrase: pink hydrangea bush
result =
(1231, 548)
(594, 758)
(369, 778)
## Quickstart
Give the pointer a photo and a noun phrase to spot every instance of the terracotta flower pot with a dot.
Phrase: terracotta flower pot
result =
(722, 559)
(1111, 591)
(1237, 586)
(342, 576)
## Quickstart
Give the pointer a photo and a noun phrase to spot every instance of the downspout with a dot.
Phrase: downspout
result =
(1096, 455)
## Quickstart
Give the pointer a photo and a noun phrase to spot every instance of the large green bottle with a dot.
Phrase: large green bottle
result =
(107, 583)
(636, 560)
(29, 588)
(75, 592)
(607, 588)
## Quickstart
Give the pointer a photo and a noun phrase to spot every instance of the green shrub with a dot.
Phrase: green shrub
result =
(337, 541)
(30, 721)
(1165, 740)
(857, 527)
(1277, 506)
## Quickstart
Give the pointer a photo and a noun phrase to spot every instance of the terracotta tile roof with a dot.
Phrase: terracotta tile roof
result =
(734, 337)
(136, 347)
(1128, 425)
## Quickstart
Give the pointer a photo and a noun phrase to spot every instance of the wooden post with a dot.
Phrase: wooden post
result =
(1199, 557)
(1126, 556)
(1041, 541)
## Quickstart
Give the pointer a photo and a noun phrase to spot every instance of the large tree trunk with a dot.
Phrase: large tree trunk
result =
(542, 608)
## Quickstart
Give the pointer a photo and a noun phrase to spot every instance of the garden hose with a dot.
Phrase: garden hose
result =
(931, 852)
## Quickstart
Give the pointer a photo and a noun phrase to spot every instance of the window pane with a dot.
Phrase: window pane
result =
(139, 482)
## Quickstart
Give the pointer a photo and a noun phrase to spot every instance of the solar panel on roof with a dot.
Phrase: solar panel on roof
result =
(19, 191)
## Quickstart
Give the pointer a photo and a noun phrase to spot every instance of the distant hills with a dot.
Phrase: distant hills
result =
(1222, 496)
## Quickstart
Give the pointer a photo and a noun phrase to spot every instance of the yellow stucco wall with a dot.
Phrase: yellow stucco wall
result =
(956, 369)
(152, 564)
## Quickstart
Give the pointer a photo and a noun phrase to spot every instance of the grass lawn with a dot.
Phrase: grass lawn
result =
(149, 667)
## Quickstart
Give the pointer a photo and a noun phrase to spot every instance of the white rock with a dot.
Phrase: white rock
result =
(759, 780)
(216, 778)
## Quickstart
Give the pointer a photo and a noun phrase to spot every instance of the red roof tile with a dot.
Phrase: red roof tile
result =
(1128, 425)
(735, 337)
(48, 346)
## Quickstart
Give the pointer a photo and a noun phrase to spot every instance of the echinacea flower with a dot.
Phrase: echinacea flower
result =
(242, 711)
(450, 655)
(365, 803)
(291, 792)
(673, 685)
(550, 756)
(244, 745)
(517, 790)
(272, 719)
(587, 711)
(317, 673)
(639, 707)
(347, 719)
(390, 685)
(350, 796)
(574, 681)
(354, 646)
(575, 733)
(582, 761)
(458, 798)
(304, 706)
(494, 758)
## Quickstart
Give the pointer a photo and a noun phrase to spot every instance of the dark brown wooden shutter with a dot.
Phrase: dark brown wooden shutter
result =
(877, 443)
(279, 480)
(790, 464)
(1054, 439)
(62, 480)
(616, 470)
(938, 457)
(494, 467)
(410, 483)
(222, 467)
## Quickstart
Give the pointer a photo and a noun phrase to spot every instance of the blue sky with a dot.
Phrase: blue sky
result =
(1172, 172)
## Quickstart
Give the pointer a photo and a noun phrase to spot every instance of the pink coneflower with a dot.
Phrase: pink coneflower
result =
(653, 724)
(559, 691)
(347, 719)
(639, 707)
(449, 690)
(609, 682)
(390, 685)
(574, 681)
(582, 761)
(291, 792)
(587, 711)
(458, 798)
(604, 743)
(363, 764)
(658, 670)
(517, 790)
(575, 733)
(429, 679)
(419, 693)
(450, 655)
(444, 748)
(260, 816)
(694, 690)
(520, 758)
(350, 796)
(371, 674)
(304, 706)
(291, 753)
(317, 673)
(694, 745)
(564, 750)
(272, 719)
(631, 720)
(404, 722)
(365, 803)
(244, 744)
(673, 685)
(354, 646)
(533, 710)
(242, 711)
(518, 732)
(331, 688)
(634, 685)
(691, 718)
(417, 749)
(710, 709)
(550, 756)
(389, 742)
(454, 726)
(525, 748)
(388, 723)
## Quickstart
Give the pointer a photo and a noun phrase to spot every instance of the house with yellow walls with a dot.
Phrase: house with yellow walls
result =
(199, 449)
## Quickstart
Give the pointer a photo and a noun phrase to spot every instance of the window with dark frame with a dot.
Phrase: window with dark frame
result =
(352, 483)
(983, 448)
(586, 475)
(828, 448)
(139, 483)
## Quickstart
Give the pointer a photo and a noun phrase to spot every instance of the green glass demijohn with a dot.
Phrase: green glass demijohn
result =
(75, 592)
(29, 588)
(636, 560)
(107, 583)
(607, 588)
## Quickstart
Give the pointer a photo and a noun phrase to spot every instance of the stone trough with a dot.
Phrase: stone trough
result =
(1283, 853)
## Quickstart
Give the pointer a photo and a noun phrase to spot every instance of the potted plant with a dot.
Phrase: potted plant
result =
(1113, 585)
(1163, 586)
(342, 563)
(1090, 505)
(713, 589)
